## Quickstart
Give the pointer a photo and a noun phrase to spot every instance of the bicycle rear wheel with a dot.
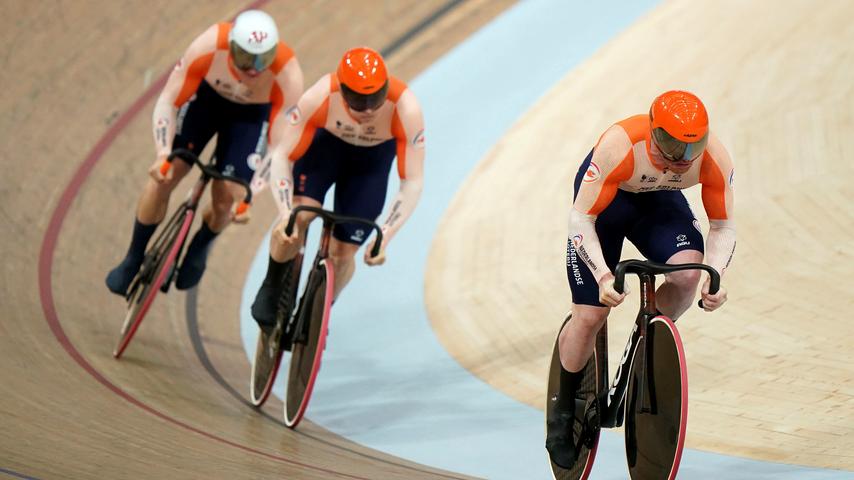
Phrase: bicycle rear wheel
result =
(156, 268)
(269, 349)
(309, 341)
(591, 385)
(657, 404)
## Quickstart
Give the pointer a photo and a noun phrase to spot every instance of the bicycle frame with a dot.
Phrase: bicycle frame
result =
(611, 403)
(329, 221)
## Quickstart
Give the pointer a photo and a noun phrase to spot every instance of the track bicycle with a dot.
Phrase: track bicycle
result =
(158, 266)
(649, 392)
(301, 328)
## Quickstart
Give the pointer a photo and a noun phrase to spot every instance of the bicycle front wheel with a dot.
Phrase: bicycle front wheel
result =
(591, 385)
(657, 404)
(309, 342)
(163, 256)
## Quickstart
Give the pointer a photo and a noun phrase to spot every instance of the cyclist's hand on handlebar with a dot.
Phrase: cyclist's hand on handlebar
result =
(374, 261)
(279, 233)
(712, 302)
(608, 296)
(155, 172)
(241, 218)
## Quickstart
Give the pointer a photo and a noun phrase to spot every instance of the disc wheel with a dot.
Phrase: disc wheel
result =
(309, 341)
(657, 404)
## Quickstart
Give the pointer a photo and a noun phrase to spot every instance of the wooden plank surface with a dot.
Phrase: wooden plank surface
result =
(70, 70)
(771, 373)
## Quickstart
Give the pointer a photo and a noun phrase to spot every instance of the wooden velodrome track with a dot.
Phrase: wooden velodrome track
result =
(79, 83)
(771, 375)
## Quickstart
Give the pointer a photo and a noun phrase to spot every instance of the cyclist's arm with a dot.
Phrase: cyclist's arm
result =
(287, 89)
(408, 130)
(295, 133)
(716, 176)
(611, 164)
(181, 85)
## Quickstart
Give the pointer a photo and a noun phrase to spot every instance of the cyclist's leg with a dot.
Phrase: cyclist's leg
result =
(668, 232)
(577, 338)
(343, 257)
(241, 143)
(360, 191)
(588, 315)
(193, 132)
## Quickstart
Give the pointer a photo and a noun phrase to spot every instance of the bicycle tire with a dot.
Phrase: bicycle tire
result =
(657, 404)
(164, 251)
(306, 354)
(591, 385)
(268, 357)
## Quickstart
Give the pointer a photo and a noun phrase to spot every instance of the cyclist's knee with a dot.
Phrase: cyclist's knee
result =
(342, 251)
(222, 206)
(586, 320)
(160, 190)
(685, 281)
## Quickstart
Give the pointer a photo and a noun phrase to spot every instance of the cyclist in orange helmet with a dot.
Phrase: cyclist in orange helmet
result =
(346, 130)
(628, 187)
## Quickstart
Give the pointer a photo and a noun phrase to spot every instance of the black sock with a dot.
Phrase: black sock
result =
(139, 240)
(202, 239)
(276, 272)
(569, 382)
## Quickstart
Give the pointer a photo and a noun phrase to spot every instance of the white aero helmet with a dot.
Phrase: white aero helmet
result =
(253, 40)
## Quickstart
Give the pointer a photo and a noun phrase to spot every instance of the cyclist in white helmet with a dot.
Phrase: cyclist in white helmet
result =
(235, 80)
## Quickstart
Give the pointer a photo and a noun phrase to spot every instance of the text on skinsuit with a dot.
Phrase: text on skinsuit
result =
(572, 261)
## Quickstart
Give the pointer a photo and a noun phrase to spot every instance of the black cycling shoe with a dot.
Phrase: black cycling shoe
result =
(192, 268)
(265, 305)
(560, 440)
(120, 278)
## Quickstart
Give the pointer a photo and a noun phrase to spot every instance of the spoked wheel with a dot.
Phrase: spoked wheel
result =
(309, 341)
(588, 389)
(657, 404)
(155, 269)
(268, 351)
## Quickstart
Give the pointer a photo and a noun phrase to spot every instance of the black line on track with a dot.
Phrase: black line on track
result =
(192, 295)
(412, 32)
(16, 474)
(198, 346)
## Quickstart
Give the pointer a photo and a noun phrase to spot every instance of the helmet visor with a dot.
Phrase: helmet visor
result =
(677, 150)
(244, 60)
(361, 102)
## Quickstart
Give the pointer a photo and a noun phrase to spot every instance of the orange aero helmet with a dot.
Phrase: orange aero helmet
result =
(680, 125)
(363, 78)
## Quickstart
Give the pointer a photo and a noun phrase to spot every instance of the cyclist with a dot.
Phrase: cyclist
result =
(234, 80)
(628, 187)
(346, 129)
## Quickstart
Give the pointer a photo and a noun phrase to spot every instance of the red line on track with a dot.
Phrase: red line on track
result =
(46, 263)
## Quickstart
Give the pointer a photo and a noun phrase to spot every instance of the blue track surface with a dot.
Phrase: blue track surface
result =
(386, 382)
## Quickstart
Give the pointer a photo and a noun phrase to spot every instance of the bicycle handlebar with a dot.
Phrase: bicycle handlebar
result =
(653, 268)
(330, 218)
(210, 172)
